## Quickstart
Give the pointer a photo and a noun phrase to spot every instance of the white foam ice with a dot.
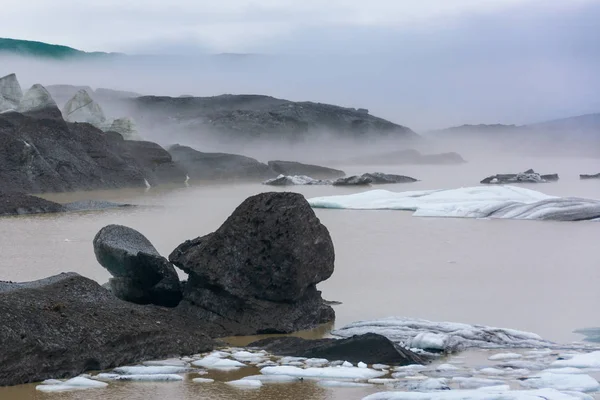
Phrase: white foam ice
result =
(342, 384)
(326, 372)
(140, 377)
(216, 362)
(245, 383)
(470, 202)
(491, 393)
(505, 356)
(574, 382)
(151, 370)
(442, 336)
(587, 360)
(77, 383)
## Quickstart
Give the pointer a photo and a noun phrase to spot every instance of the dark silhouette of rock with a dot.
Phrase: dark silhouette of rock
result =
(93, 205)
(141, 274)
(20, 204)
(218, 166)
(379, 178)
(314, 171)
(354, 180)
(64, 325)
(529, 176)
(258, 272)
(409, 156)
(584, 176)
(369, 348)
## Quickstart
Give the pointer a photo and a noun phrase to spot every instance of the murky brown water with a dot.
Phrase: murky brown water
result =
(530, 275)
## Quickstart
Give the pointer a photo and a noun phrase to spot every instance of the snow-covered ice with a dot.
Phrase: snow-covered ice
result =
(574, 382)
(327, 372)
(470, 202)
(493, 393)
(77, 383)
(245, 383)
(445, 336)
(505, 356)
(150, 370)
(587, 360)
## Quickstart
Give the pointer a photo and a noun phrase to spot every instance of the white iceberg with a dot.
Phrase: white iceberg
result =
(171, 362)
(140, 377)
(326, 373)
(476, 383)
(203, 380)
(151, 370)
(493, 393)
(215, 362)
(245, 383)
(78, 383)
(342, 384)
(505, 356)
(82, 108)
(272, 378)
(470, 202)
(588, 360)
(288, 180)
(35, 99)
(422, 334)
(574, 382)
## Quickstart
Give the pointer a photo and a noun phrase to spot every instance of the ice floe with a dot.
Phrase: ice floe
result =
(476, 383)
(245, 383)
(343, 384)
(470, 202)
(272, 378)
(574, 382)
(139, 377)
(587, 360)
(443, 336)
(492, 393)
(326, 372)
(215, 362)
(203, 380)
(505, 356)
(77, 383)
(150, 370)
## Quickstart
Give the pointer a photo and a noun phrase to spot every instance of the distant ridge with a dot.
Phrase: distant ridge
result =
(45, 50)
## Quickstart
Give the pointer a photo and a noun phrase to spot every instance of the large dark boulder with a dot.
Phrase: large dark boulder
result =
(369, 348)
(219, 166)
(141, 274)
(379, 178)
(259, 270)
(291, 168)
(19, 204)
(584, 176)
(62, 326)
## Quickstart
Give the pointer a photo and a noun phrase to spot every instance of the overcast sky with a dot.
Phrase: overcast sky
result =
(422, 63)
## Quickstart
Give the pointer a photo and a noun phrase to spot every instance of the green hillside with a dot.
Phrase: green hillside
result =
(40, 49)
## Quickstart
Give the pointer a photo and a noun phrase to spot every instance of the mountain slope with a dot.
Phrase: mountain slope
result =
(45, 50)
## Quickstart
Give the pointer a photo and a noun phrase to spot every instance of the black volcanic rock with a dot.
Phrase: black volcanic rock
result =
(258, 272)
(141, 274)
(20, 204)
(379, 178)
(291, 168)
(355, 180)
(64, 325)
(369, 348)
(219, 166)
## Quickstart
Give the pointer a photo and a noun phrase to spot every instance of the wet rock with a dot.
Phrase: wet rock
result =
(379, 178)
(37, 99)
(296, 168)
(62, 326)
(369, 348)
(20, 204)
(354, 180)
(529, 176)
(10, 93)
(82, 108)
(141, 274)
(258, 272)
(219, 166)
(584, 176)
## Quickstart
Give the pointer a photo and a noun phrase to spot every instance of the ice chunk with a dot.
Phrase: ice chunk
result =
(288, 180)
(313, 362)
(444, 336)
(248, 357)
(587, 360)
(215, 362)
(151, 370)
(171, 362)
(523, 364)
(446, 367)
(245, 383)
(574, 382)
(361, 365)
(78, 383)
(383, 381)
(327, 372)
(380, 366)
(52, 382)
(426, 385)
(566, 370)
(272, 378)
(492, 371)
(202, 380)
(493, 393)
(140, 377)
(505, 356)
(476, 383)
(347, 364)
(343, 384)
(470, 202)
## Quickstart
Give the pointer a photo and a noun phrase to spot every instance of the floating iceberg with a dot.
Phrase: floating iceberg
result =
(443, 336)
(215, 362)
(471, 202)
(327, 372)
(78, 383)
(589, 360)
(151, 370)
(288, 180)
(245, 383)
(578, 383)
(140, 377)
(493, 393)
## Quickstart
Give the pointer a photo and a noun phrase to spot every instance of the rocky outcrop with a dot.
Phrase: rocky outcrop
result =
(126, 127)
(369, 348)
(584, 176)
(20, 204)
(354, 180)
(379, 178)
(140, 274)
(65, 325)
(82, 108)
(219, 166)
(36, 99)
(529, 176)
(287, 180)
(295, 168)
(258, 272)
(10, 93)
